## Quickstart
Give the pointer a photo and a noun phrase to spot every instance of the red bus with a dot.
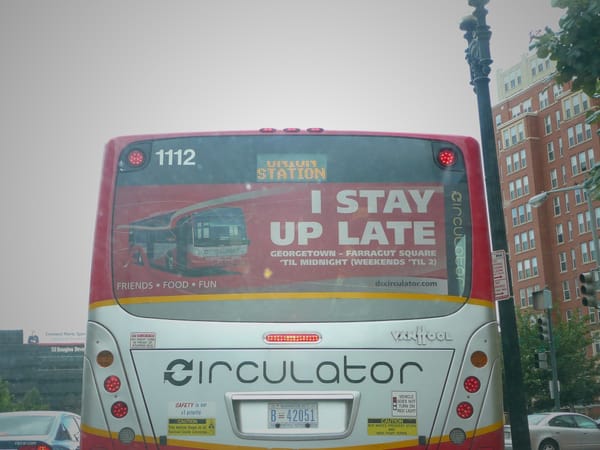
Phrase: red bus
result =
(292, 289)
(197, 237)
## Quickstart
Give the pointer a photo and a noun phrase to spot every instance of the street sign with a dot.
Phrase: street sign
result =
(500, 273)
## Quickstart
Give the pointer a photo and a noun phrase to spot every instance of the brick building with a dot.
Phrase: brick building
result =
(544, 144)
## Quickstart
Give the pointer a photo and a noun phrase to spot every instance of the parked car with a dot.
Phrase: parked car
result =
(559, 431)
(56, 430)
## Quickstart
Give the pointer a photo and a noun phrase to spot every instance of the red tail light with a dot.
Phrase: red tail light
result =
(472, 384)
(119, 409)
(38, 446)
(464, 410)
(136, 158)
(112, 384)
(447, 157)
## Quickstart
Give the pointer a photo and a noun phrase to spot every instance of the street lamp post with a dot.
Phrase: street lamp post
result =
(477, 34)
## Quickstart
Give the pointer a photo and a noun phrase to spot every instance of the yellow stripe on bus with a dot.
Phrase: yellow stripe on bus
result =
(290, 295)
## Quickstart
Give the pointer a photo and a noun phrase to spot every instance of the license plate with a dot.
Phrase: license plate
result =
(293, 414)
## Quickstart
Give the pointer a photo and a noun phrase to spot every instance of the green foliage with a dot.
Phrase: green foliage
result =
(6, 403)
(575, 47)
(578, 373)
(32, 400)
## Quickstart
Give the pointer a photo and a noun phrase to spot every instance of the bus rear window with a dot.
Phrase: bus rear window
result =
(291, 228)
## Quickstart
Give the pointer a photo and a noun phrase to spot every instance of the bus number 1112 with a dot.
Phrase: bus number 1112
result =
(179, 157)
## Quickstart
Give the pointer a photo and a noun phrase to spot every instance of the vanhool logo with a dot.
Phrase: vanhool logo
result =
(421, 336)
(180, 372)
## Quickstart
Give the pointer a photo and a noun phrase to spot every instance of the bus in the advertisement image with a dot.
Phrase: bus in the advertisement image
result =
(292, 289)
(192, 238)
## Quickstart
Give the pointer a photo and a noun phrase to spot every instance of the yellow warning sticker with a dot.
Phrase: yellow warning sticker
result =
(392, 427)
(191, 427)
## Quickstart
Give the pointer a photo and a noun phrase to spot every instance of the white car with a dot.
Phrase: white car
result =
(559, 431)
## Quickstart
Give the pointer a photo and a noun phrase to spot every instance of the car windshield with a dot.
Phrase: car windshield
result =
(535, 419)
(23, 425)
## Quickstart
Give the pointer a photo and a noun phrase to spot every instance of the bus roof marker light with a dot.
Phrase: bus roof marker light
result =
(447, 157)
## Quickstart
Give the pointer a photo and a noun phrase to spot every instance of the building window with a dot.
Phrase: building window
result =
(566, 291)
(574, 166)
(583, 162)
(550, 149)
(567, 107)
(571, 136)
(560, 236)
(553, 178)
(574, 259)
(570, 230)
(548, 124)
(579, 133)
(562, 260)
(543, 97)
(509, 165)
(557, 90)
(556, 205)
(585, 257)
(561, 147)
(580, 223)
(558, 120)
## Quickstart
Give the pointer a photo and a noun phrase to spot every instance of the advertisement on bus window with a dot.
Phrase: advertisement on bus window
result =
(276, 236)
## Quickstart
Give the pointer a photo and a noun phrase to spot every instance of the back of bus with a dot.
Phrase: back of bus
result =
(299, 289)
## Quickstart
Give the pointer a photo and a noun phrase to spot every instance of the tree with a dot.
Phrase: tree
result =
(33, 401)
(575, 50)
(6, 403)
(575, 47)
(577, 373)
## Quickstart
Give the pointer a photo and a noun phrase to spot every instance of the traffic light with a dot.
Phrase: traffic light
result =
(541, 360)
(543, 329)
(588, 289)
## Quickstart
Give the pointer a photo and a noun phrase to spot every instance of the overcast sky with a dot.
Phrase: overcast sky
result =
(77, 73)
